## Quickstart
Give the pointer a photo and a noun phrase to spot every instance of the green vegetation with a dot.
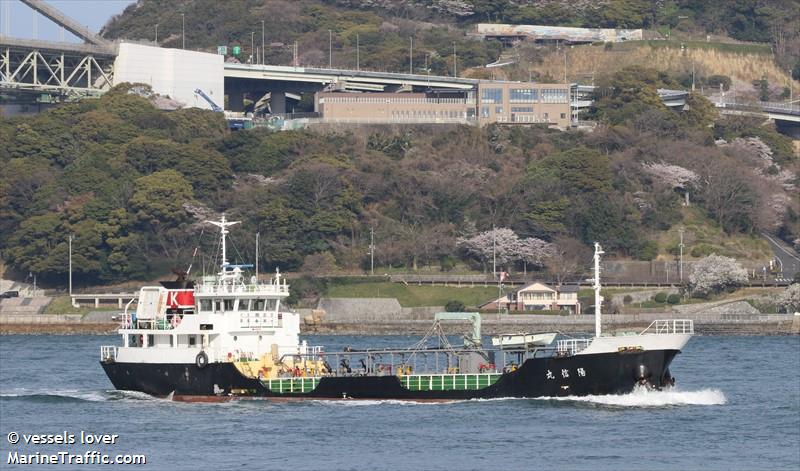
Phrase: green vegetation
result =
(133, 184)
(63, 305)
(414, 295)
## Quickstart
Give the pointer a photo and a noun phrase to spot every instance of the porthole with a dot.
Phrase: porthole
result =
(235, 338)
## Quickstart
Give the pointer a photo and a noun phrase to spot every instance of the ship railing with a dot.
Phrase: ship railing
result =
(266, 289)
(566, 347)
(129, 321)
(669, 326)
(108, 353)
(403, 362)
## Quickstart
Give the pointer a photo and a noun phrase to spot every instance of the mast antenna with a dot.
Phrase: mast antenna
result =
(223, 226)
(598, 300)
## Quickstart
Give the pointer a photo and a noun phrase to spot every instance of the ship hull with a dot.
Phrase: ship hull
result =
(578, 375)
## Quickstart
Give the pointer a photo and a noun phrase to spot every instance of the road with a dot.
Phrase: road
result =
(788, 260)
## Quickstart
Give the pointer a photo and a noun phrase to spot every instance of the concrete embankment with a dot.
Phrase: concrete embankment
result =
(93, 323)
(385, 317)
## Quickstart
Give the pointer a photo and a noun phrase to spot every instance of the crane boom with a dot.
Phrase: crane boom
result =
(214, 106)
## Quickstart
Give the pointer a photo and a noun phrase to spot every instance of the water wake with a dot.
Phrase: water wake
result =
(75, 396)
(643, 397)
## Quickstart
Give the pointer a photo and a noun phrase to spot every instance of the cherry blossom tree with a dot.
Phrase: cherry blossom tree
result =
(673, 175)
(789, 300)
(714, 273)
(506, 247)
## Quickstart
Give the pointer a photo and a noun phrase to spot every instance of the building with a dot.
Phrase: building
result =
(490, 102)
(539, 297)
(512, 33)
(175, 73)
(524, 103)
(396, 107)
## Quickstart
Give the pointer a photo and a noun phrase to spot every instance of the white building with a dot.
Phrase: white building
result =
(176, 73)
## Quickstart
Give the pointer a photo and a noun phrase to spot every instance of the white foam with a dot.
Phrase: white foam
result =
(92, 396)
(643, 397)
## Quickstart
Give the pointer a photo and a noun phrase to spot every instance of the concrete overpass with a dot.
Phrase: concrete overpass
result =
(278, 80)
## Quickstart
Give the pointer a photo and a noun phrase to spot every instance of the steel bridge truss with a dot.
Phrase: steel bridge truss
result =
(55, 71)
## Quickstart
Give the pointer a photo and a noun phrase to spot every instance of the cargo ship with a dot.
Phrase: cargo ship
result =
(227, 336)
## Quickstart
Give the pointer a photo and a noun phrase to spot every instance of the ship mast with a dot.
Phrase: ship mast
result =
(223, 225)
(598, 300)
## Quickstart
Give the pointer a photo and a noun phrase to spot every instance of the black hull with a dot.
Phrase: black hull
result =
(606, 373)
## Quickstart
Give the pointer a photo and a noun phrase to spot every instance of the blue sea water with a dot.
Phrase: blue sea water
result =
(736, 407)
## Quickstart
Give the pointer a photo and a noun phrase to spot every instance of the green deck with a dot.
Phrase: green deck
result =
(449, 382)
(291, 385)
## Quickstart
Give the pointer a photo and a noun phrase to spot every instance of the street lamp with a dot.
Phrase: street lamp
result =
(70, 263)
(680, 263)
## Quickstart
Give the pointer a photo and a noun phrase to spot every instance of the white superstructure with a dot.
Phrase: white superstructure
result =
(226, 317)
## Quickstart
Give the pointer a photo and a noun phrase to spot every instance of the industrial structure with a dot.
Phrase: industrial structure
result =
(35, 74)
(513, 33)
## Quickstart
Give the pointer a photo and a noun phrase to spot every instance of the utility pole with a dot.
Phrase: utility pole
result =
(371, 250)
(70, 264)
(257, 234)
(358, 65)
(252, 47)
(156, 41)
(455, 58)
(680, 262)
(295, 54)
(330, 49)
(494, 252)
(183, 31)
(565, 65)
(411, 56)
(262, 42)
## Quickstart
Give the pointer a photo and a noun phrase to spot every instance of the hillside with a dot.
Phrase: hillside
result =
(133, 184)
(383, 28)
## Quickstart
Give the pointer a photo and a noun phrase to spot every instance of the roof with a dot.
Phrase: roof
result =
(569, 288)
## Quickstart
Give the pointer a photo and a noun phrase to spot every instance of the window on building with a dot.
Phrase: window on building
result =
(498, 109)
(523, 95)
(484, 111)
(492, 95)
(545, 116)
(555, 95)
(563, 115)
(522, 109)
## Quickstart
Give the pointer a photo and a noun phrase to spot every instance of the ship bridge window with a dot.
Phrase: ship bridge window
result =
(257, 305)
(228, 304)
(272, 304)
(192, 340)
(217, 305)
(205, 305)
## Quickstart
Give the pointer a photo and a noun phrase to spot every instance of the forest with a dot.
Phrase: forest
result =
(134, 184)
(441, 29)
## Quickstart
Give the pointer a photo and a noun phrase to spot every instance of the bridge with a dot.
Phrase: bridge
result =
(280, 80)
(33, 71)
